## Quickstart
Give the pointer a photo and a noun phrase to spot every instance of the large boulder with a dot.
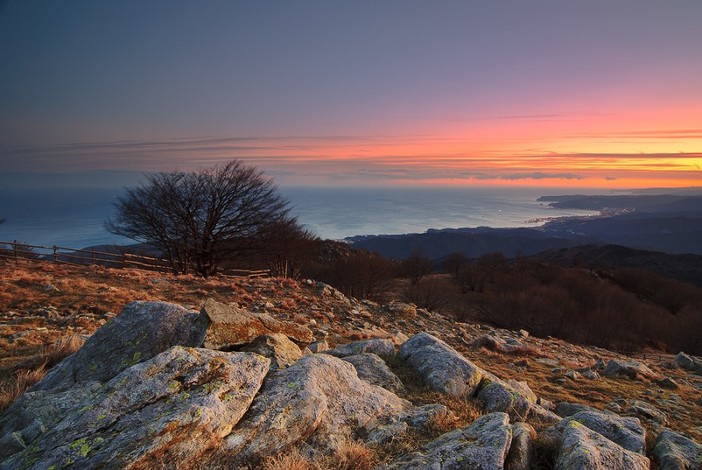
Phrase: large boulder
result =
(441, 367)
(674, 451)
(381, 347)
(141, 331)
(482, 445)
(232, 326)
(627, 432)
(320, 395)
(278, 348)
(628, 369)
(583, 449)
(173, 409)
(372, 369)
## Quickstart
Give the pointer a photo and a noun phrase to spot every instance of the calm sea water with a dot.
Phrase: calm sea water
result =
(75, 218)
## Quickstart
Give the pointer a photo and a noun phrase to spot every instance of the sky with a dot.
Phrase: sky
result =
(588, 93)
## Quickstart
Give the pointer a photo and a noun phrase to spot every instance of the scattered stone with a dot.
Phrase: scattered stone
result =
(627, 432)
(140, 332)
(423, 417)
(318, 346)
(381, 347)
(483, 444)
(565, 409)
(674, 451)
(591, 375)
(572, 375)
(583, 448)
(524, 333)
(668, 383)
(630, 369)
(49, 288)
(371, 368)
(277, 347)
(522, 448)
(647, 411)
(440, 366)
(232, 326)
(687, 362)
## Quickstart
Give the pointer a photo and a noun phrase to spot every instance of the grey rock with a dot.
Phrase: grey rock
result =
(45, 408)
(320, 396)
(440, 366)
(674, 451)
(565, 408)
(522, 448)
(381, 347)
(232, 326)
(372, 369)
(318, 346)
(572, 375)
(385, 433)
(173, 408)
(687, 362)
(583, 449)
(627, 432)
(482, 445)
(629, 369)
(277, 347)
(514, 398)
(648, 411)
(668, 383)
(591, 374)
(140, 332)
(424, 417)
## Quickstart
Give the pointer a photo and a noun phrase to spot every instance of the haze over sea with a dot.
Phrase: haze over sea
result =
(74, 217)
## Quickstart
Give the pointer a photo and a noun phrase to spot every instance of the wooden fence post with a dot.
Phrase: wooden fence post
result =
(55, 253)
(14, 252)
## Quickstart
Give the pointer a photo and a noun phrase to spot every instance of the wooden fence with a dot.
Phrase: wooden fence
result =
(17, 252)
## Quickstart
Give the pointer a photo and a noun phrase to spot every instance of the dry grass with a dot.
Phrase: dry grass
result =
(289, 460)
(61, 349)
(23, 379)
(349, 455)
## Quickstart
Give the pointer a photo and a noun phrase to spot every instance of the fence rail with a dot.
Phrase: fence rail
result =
(18, 252)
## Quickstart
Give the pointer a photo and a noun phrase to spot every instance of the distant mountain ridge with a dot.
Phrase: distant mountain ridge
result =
(669, 223)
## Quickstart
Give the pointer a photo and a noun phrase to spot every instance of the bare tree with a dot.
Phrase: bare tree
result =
(200, 218)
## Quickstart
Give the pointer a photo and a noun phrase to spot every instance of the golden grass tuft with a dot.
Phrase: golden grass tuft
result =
(61, 349)
(351, 455)
(22, 381)
(289, 460)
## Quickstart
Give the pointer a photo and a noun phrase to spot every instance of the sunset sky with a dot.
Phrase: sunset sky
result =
(590, 93)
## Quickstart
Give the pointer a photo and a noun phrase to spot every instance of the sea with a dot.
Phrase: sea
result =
(75, 217)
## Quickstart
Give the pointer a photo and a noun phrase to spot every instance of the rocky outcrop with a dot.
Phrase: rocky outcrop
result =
(583, 448)
(482, 445)
(141, 331)
(277, 347)
(320, 395)
(176, 406)
(440, 366)
(673, 451)
(161, 401)
(232, 326)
